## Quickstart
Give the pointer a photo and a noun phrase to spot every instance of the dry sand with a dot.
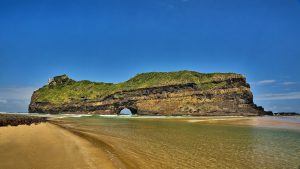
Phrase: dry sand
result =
(46, 146)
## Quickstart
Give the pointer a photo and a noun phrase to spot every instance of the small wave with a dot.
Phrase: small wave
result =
(80, 115)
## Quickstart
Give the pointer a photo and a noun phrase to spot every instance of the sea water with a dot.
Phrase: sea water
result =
(188, 143)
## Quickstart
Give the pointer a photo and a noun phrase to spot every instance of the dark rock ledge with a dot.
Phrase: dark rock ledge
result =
(15, 120)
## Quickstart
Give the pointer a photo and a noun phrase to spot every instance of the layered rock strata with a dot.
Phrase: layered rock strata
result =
(212, 95)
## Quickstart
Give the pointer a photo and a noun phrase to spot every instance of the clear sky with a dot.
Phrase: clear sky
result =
(112, 40)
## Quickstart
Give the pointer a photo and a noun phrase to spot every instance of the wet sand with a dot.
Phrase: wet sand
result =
(49, 147)
(192, 142)
(280, 122)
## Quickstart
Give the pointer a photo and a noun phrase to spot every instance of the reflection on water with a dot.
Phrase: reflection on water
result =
(160, 143)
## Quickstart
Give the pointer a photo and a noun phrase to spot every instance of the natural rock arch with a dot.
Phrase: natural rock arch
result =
(188, 93)
(131, 109)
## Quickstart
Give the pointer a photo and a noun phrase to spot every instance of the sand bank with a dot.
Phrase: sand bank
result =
(47, 146)
(267, 121)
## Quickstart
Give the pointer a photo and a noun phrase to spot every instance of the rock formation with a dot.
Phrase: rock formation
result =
(155, 93)
(17, 119)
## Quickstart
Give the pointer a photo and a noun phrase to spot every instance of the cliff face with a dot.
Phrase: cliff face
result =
(169, 93)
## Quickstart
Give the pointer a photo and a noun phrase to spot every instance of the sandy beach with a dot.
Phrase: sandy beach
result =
(267, 121)
(92, 142)
(49, 147)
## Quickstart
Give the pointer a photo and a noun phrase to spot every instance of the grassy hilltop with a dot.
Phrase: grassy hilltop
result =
(62, 89)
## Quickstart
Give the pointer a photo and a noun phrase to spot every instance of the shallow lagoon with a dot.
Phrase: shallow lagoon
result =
(213, 142)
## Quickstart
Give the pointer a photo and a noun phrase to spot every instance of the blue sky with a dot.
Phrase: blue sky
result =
(112, 40)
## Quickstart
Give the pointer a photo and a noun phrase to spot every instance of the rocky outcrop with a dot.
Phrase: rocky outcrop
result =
(229, 95)
(16, 119)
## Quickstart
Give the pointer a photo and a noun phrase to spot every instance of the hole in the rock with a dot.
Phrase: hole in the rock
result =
(125, 111)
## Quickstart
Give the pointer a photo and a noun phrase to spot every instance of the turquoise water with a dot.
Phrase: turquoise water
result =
(177, 143)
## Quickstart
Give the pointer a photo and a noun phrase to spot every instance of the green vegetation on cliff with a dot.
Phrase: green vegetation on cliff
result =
(62, 89)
